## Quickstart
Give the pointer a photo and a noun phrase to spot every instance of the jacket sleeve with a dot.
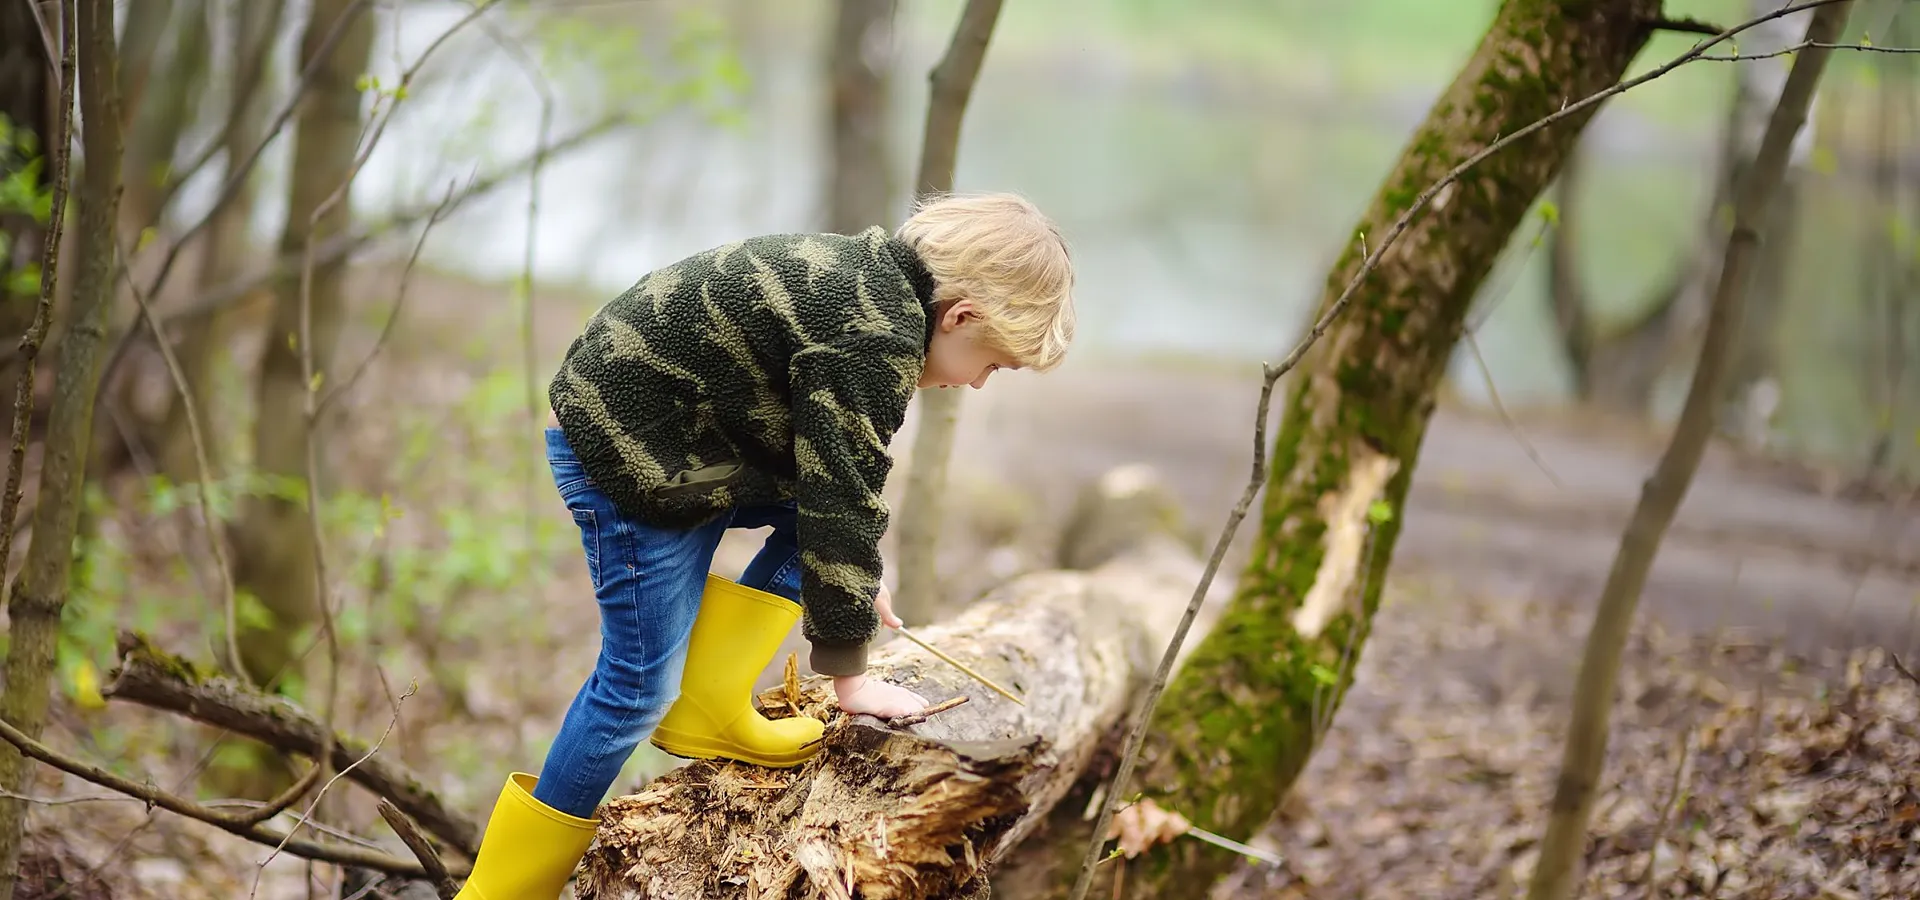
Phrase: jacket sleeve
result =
(849, 398)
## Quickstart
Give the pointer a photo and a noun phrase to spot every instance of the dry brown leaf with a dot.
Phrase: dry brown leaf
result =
(1143, 825)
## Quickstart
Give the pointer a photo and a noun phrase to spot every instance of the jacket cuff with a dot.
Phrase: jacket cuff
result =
(838, 659)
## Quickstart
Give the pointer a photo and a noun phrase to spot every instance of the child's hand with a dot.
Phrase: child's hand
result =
(860, 694)
(883, 604)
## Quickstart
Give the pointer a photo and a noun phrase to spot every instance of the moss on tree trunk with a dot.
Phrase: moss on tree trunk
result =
(1236, 725)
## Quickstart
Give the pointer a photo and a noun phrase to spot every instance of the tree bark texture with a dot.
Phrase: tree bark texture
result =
(859, 64)
(274, 559)
(151, 677)
(40, 593)
(950, 89)
(1620, 368)
(1660, 498)
(922, 811)
(1242, 715)
(224, 255)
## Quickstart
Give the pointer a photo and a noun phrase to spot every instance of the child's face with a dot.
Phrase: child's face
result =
(959, 355)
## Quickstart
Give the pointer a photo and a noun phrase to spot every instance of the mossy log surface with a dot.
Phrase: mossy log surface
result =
(152, 677)
(924, 811)
(1237, 723)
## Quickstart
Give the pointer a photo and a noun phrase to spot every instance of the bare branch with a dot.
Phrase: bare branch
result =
(315, 850)
(422, 850)
(152, 678)
(1806, 45)
(1143, 715)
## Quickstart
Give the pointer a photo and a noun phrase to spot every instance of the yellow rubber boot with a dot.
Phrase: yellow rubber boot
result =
(734, 637)
(529, 850)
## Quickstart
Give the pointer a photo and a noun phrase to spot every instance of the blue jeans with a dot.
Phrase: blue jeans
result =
(648, 582)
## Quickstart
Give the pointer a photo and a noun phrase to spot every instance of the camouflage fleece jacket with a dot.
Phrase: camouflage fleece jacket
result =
(771, 369)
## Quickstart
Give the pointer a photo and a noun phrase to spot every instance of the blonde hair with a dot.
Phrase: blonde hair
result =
(1000, 251)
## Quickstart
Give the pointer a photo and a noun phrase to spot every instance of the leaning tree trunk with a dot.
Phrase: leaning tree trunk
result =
(40, 593)
(274, 551)
(950, 88)
(921, 811)
(1241, 717)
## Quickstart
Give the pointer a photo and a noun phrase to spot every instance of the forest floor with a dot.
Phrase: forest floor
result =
(1434, 778)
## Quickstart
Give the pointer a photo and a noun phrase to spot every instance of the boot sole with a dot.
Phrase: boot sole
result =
(695, 749)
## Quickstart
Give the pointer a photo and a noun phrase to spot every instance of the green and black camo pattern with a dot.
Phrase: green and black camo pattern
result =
(771, 369)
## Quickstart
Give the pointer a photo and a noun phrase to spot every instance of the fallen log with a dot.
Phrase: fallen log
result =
(152, 677)
(924, 811)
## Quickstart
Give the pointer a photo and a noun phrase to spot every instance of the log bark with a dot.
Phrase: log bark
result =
(151, 677)
(924, 811)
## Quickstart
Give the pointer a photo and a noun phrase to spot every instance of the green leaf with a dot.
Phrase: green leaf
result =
(1379, 512)
(1550, 211)
(1323, 674)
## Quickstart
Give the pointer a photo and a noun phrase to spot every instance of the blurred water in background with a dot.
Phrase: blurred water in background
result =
(1205, 161)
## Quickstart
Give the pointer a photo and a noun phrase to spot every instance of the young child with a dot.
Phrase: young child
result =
(756, 384)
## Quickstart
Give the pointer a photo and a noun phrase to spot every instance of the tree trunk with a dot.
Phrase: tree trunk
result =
(859, 63)
(274, 558)
(922, 811)
(1620, 368)
(203, 353)
(26, 105)
(40, 593)
(1660, 498)
(162, 117)
(1242, 716)
(950, 88)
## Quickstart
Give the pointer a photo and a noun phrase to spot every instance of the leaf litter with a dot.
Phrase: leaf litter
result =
(1734, 770)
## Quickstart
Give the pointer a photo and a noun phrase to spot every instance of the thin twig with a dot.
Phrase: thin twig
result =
(1902, 668)
(1807, 45)
(62, 73)
(61, 149)
(1143, 712)
(911, 719)
(307, 814)
(1493, 394)
(399, 301)
(959, 665)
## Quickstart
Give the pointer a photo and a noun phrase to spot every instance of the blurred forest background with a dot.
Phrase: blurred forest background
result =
(1206, 162)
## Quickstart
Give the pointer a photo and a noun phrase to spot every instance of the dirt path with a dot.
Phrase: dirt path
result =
(1746, 549)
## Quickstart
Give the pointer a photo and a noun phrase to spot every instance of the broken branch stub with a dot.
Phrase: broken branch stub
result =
(923, 812)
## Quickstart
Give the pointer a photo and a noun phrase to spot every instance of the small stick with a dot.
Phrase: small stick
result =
(958, 665)
(912, 719)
